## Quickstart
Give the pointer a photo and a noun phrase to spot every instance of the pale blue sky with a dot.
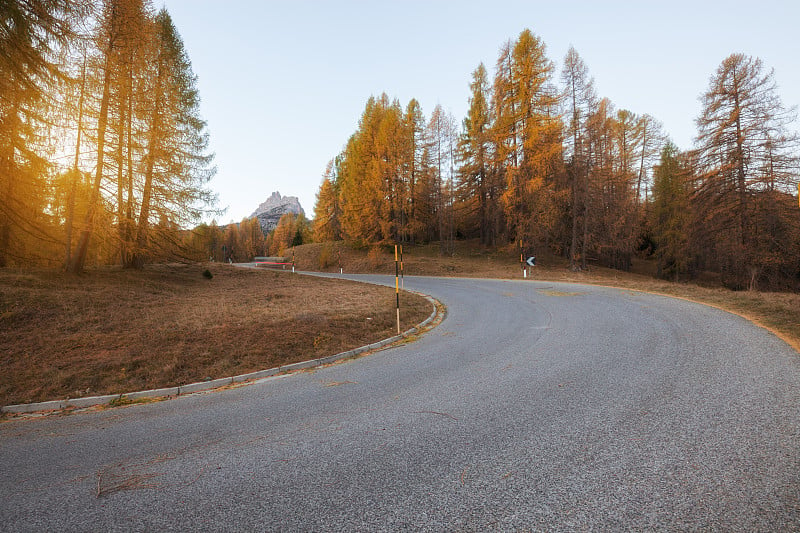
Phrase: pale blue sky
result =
(283, 84)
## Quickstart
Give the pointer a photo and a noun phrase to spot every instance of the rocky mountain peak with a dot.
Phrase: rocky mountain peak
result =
(273, 208)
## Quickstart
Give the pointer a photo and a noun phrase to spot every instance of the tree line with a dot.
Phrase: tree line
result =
(103, 154)
(104, 159)
(241, 242)
(541, 161)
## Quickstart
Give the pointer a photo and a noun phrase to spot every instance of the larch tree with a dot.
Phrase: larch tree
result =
(74, 176)
(372, 189)
(611, 221)
(743, 131)
(128, 99)
(441, 141)
(251, 239)
(651, 143)
(388, 167)
(580, 102)
(177, 165)
(149, 140)
(33, 35)
(292, 230)
(478, 189)
(531, 121)
(107, 38)
(327, 210)
(416, 170)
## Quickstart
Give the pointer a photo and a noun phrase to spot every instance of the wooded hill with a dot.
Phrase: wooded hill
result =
(542, 161)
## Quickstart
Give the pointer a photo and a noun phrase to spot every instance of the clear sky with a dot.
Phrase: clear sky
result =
(283, 83)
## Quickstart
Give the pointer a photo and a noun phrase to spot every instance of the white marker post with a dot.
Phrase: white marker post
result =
(531, 262)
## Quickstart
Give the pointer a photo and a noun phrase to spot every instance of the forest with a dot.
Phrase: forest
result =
(104, 159)
(542, 162)
(103, 154)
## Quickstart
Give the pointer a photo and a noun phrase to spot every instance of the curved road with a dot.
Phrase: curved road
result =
(533, 406)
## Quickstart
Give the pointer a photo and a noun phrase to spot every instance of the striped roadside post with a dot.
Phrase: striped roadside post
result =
(402, 279)
(397, 287)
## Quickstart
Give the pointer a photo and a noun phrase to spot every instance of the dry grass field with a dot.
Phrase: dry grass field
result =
(112, 331)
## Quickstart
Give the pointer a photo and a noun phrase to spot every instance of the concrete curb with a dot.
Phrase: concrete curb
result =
(91, 401)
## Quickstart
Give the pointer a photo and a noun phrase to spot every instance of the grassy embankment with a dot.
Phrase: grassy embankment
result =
(776, 311)
(113, 331)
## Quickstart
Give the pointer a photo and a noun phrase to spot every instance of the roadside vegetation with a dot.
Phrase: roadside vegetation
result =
(117, 330)
(777, 311)
(113, 330)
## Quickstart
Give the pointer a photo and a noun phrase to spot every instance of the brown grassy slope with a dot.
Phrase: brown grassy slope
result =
(778, 312)
(113, 331)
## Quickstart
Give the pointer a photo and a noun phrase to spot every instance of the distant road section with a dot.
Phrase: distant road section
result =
(532, 406)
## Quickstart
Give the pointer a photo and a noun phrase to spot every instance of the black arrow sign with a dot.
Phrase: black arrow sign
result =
(531, 261)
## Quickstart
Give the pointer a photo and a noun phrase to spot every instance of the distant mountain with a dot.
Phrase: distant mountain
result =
(273, 208)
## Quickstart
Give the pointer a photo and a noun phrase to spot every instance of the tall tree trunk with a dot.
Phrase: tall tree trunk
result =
(130, 206)
(573, 247)
(6, 169)
(123, 108)
(76, 173)
(147, 192)
(740, 172)
(641, 163)
(79, 259)
(585, 241)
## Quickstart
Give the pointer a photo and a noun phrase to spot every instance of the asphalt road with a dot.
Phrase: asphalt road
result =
(533, 406)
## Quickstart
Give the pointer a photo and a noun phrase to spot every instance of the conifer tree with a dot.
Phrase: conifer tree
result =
(580, 102)
(743, 131)
(177, 165)
(327, 211)
(32, 36)
(109, 35)
(531, 123)
(670, 215)
(479, 192)
(416, 170)
(442, 139)
(371, 175)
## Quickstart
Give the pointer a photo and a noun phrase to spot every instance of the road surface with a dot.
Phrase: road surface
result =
(533, 406)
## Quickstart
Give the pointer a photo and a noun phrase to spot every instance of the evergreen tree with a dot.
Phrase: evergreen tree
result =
(670, 216)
